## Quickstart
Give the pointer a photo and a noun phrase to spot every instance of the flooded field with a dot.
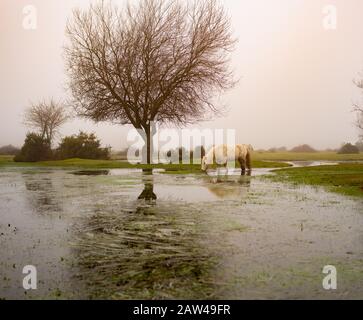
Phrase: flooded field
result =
(128, 234)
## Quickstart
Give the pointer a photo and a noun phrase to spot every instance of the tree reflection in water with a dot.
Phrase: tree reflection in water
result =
(148, 192)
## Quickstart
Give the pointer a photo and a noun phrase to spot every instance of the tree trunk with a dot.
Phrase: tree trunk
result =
(149, 144)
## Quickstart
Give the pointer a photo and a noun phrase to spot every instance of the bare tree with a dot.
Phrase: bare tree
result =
(47, 118)
(359, 108)
(159, 61)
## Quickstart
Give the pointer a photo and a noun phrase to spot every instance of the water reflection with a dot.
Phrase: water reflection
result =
(41, 192)
(148, 192)
(228, 187)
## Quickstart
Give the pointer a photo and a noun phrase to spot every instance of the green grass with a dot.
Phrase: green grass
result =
(345, 179)
(6, 161)
(316, 156)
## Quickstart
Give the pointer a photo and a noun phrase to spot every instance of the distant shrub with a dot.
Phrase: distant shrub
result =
(348, 149)
(35, 148)
(305, 148)
(83, 146)
(9, 150)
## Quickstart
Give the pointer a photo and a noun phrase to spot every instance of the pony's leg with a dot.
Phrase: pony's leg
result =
(249, 167)
(243, 166)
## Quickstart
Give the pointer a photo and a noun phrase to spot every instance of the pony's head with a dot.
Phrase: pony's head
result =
(204, 164)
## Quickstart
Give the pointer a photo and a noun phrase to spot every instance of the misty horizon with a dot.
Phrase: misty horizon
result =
(295, 78)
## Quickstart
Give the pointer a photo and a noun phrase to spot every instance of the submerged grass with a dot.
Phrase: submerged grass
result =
(345, 179)
(143, 254)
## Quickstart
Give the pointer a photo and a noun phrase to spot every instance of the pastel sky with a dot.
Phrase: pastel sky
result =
(296, 77)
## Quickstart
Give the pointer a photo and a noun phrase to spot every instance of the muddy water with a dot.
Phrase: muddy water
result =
(124, 234)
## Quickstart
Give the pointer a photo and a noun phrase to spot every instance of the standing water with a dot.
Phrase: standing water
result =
(125, 234)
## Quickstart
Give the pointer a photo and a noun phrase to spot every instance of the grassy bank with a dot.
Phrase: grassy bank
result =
(345, 179)
(316, 156)
(7, 161)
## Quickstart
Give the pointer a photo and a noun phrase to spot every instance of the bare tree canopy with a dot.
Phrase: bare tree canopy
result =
(46, 117)
(158, 61)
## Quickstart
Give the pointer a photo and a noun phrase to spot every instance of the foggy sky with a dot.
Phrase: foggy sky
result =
(295, 77)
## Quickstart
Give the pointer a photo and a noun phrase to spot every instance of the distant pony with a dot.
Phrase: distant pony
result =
(222, 154)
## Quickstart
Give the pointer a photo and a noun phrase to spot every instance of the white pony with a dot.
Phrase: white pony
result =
(222, 154)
